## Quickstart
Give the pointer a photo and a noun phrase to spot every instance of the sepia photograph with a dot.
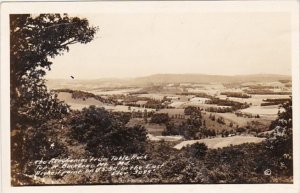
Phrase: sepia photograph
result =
(162, 95)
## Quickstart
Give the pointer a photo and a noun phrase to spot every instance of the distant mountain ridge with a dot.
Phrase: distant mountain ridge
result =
(203, 78)
(164, 78)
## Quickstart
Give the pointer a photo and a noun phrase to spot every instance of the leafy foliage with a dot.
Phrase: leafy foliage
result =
(105, 134)
(190, 110)
(34, 144)
(236, 94)
(33, 42)
(198, 150)
(160, 118)
(281, 145)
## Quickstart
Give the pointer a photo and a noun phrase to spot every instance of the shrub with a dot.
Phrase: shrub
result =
(160, 118)
(105, 133)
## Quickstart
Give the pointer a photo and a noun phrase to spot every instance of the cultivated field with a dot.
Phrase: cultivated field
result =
(229, 116)
(218, 142)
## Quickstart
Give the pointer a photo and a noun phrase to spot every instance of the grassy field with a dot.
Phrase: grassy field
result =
(210, 124)
(124, 108)
(172, 112)
(220, 142)
(255, 100)
(165, 138)
(262, 110)
(153, 129)
(78, 104)
(115, 91)
(270, 111)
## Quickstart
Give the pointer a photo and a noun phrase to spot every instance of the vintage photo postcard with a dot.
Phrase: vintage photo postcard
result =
(150, 96)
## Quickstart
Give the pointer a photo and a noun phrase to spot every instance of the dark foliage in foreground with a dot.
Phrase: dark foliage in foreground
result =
(34, 41)
(105, 133)
(36, 143)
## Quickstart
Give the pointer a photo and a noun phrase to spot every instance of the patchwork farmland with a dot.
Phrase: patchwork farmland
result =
(187, 111)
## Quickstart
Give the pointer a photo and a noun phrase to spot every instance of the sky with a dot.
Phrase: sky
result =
(142, 44)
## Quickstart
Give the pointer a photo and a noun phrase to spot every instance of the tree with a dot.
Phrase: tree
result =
(34, 144)
(198, 150)
(106, 134)
(160, 118)
(34, 40)
(221, 120)
(281, 145)
(192, 111)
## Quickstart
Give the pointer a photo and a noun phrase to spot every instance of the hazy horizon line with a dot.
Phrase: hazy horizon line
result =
(134, 77)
